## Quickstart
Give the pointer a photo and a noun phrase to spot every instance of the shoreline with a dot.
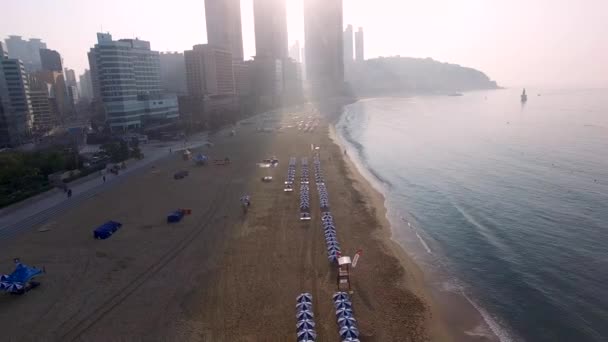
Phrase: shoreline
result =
(452, 315)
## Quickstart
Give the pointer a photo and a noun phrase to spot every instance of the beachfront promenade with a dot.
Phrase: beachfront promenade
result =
(39, 209)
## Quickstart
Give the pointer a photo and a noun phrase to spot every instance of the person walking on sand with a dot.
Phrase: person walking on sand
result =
(104, 178)
(69, 193)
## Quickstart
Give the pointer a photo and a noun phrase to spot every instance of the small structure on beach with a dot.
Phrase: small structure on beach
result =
(343, 280)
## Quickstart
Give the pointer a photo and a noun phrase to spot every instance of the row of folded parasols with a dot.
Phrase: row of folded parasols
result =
(347, 323)
(304, 171)
(327, 220)
(305, 326)
(291, 174)
(304, 188)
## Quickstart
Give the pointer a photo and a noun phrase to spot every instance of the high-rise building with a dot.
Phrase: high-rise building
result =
(25, 50)
(324, 52)
(86, 86)
(70, 77)
(209, 71)
(359, 45)
(126, 77)
(294, 52)
(348, 45)
(42, 109)
(15, 97)
(51, 60)
(223, 18)
(3, 51)
(59, 91)
(173, 73)
(270, 19)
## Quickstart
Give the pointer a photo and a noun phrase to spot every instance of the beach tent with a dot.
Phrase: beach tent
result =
(106, 230)
(200, 159)
(349, 332)
(17, 281)
(175, 216)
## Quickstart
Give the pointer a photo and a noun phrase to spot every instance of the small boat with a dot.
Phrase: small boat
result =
(524, 97)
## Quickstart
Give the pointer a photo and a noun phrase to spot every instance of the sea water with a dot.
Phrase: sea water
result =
(510, 199)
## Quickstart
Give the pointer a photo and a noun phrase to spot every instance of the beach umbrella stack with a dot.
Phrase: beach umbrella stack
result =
(305, 325)
(327, 220)
(291, 174)
(304, 191)
(347, 324)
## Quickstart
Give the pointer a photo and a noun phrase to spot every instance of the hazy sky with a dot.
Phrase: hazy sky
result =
(559, 43)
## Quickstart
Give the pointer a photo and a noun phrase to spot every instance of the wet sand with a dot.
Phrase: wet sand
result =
(218, 275)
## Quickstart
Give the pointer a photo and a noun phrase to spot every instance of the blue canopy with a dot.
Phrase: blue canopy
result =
(175, 216)
(106, 230)
(18, 279)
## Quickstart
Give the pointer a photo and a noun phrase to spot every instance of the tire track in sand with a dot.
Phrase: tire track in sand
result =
(84, 324)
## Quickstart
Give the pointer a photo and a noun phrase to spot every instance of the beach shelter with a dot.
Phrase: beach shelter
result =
(175, 216)
(17, 281)
(106, 230)
(349, 332)
(307, 335)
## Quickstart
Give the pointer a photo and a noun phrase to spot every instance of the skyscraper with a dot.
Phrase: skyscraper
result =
(173, 73)
(294, 52)
(324, 52)
(25, 50)
(14, 93)
(126, 77)
(209, 71)
(270, 18)
(348, 45)
(50, 60)
(86, 86)
(223, 18)
(42, 110)
(359, 45)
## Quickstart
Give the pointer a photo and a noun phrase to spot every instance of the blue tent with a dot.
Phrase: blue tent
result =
(175, 216)
(106, 230)
(304, 298)
(18, 280)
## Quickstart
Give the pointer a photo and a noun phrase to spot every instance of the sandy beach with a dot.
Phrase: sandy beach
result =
(218, 275)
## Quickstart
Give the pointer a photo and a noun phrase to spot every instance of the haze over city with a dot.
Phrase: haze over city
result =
(516, 42)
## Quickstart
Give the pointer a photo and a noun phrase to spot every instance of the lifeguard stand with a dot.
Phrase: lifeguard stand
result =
(344, 273)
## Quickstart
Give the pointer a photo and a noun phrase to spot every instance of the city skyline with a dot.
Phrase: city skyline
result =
(511, 48)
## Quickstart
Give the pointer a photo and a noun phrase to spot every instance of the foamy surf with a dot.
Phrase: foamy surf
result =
(422, 242)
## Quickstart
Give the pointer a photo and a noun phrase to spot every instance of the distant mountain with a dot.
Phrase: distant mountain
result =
(390, 75)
